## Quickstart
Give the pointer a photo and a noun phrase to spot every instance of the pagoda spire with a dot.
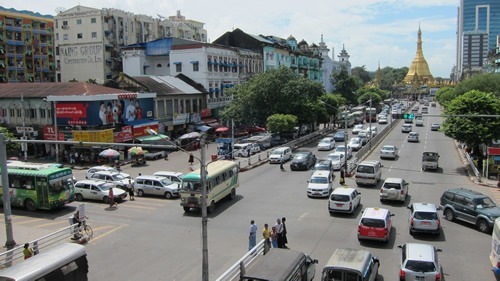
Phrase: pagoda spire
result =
(419, 69)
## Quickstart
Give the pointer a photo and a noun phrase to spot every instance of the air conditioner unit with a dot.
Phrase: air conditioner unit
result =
(65, 27)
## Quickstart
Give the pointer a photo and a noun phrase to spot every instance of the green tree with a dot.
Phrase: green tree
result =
(345, 85)
(361, 74)
(473, 130)
(365, 99)
(445, 96)
(12, 147)
(392, 76)
(488, 83)
(278, 123)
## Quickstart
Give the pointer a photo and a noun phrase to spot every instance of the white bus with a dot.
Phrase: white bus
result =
(495, 247)
(64, 262)
(222, 181)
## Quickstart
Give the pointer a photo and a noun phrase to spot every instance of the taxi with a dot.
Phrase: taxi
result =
(375, 224)
(320, 184)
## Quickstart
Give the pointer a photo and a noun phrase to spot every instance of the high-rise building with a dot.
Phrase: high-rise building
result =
(26, 47)
(477, 29)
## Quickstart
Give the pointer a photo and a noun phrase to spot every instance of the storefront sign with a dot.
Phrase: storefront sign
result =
(94, 136)
(141, 130)
(49, 133)
(124, 135)
(206, 113)
(21, 130)
(181, 118)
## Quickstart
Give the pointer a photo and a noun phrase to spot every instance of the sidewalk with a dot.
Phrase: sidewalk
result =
(468, 169)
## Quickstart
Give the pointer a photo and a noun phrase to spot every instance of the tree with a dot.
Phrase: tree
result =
(361, 74)
(445, 96)
(488, 83)
(471, 130)
(345, 85)
(12, 147)
(365, 99)
(278, 123)
(392, 76)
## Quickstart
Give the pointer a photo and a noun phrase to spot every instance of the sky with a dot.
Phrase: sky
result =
(373, 32)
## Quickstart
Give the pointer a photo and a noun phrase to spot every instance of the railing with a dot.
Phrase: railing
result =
(472, 166)
(235, 271)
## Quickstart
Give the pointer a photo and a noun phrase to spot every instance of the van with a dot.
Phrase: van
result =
(320, 184)
(174, 177)
(375, 224)
(281, 265)
(155, 185)
(281, 153)
(344, 200)
(368, 173)
(351, 264)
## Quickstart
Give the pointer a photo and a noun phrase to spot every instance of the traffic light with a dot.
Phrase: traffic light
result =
(408, 116)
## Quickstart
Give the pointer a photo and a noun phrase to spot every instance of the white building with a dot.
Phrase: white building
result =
(330, 65)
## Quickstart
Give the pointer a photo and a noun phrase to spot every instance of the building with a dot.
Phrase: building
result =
(419, 72)
(477, 29)
(89, 40)
(330, 65)
(26, 47)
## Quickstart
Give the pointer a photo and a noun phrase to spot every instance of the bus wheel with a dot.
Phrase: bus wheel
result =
(211, 208)
(29, 205)
(233, 194)
(186, 209)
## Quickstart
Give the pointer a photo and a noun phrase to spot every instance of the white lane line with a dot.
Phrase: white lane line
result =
(390, 168)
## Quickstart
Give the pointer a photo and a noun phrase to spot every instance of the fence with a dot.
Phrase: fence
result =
(237, 269)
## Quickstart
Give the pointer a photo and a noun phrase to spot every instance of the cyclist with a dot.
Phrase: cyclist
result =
(76, 219)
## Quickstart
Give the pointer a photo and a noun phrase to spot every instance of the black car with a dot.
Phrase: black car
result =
(339, 136)
(323, 165)
(302, 160)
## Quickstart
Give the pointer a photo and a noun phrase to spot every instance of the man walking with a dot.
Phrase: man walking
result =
(279, 231)
(252, 238)
(285, 240)
(281, 164)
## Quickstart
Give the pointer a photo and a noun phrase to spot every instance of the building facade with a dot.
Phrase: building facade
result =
(330, 65)
(27, 52)
(477, 28)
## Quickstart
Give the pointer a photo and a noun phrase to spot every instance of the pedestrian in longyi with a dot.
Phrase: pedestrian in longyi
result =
(131, 190)
(279, 231)
(112, 203)
(191, 158)
(282, 161)
(252, 238)
(274, 237)
(266, 234)
(285, 239)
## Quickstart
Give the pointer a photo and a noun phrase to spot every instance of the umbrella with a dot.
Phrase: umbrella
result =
(190, 135)
(136, 150)
(109, 153)
(221, 129)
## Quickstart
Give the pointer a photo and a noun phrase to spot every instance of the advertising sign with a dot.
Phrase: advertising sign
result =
(140, 130)
(94, 136)
(124, 135)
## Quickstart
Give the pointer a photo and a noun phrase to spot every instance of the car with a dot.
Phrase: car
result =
(173, 176)
(375, 224)
(120, 180)
(424, 218)
(406, 128)
(433, 104)
(368, 172)
(415, 109)
(408, 121)
(340, 136)
(245, 149)
(280, 154)
(97, 190)
(342, 149)
(344, 200)
(320, 184)
(323, 165)
(419, 121)
(337, 159)
(374, 131)
(355, 144)
(425, 110)
(302, 160)
(382, 120)
(435, 127)
(94, 169)
(326, 144)
(419, 262)
(357, 128)
(156, 185)
(469, 206)
(365, 136)
(412, 137)
(389, 151)
(394, 189)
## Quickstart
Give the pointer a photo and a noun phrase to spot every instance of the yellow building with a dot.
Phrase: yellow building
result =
(419, 72)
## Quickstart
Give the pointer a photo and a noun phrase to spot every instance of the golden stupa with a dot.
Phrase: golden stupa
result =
(419, 70)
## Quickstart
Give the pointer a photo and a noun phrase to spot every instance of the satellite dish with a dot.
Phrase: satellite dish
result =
(160, 16)
(60, 10)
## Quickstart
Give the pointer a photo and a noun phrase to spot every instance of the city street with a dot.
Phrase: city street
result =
(152, 238)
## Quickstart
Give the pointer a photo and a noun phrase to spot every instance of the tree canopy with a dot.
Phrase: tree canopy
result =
(281, 123)
(12, 147)
(345, 85)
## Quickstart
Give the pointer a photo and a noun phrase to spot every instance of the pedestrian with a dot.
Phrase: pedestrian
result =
(285, 239)
(282, 161)
(131, 190)
(28, 252)
(279, 231)
(252, 238)
(274, 237)
(266, 234)
(76, 219)
(166, 155)
(342, 177)
(112, 203)
(191, 158)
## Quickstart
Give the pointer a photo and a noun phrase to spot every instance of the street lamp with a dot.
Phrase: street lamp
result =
(346, 135)
(204, 219)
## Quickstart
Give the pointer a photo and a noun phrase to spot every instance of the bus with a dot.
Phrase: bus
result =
(359, 117)
(371, 114)
(64, 262)
(39, 186)
(495, 247)
(342, 121)
(222, 181)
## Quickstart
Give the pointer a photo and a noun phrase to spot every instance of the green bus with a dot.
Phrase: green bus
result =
(222, 181)
(351, 118)
(39, 186)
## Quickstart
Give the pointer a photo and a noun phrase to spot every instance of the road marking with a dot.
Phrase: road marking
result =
(390, 168)
(303, 216)
(106, 233)
(52, 223)
(29, 221)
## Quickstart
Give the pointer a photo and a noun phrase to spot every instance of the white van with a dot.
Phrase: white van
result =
(344, 200)
(368, 173)
(320, 184)
(280, 153)
(351, 264)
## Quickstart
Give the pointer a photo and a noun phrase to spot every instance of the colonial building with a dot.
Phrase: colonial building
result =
(330, 65)
(26, 47)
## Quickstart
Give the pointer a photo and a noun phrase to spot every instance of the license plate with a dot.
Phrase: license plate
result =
(339, 205)
(419, 278)
(371, 233)
(317, 193)
(425, 223)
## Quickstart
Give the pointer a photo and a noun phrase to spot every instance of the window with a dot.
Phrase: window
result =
(178, 67)
(57, 36)
(94, 34)
(65, 37)
(159, 65)
(79, 21)
(196, 67)
(65, 22)
(79, 36)
(93, 20)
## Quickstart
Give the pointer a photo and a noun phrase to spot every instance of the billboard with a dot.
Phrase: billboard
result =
(127, 110)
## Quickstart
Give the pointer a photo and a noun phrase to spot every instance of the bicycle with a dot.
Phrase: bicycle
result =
(85, 228)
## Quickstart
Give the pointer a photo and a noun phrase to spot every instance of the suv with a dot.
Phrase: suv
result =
(174, 177)
(344, 200)
(424, 217)
(246, 149)
(469, 206)
(419, 262)
(119, 179)
(394, 189)
(320, 184)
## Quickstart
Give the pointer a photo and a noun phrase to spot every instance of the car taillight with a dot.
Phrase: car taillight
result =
(386, 231)
(439, 222)
(411, 221)
(401, 274)
(402, 192)
(438, 277)
(498, 264)
(359, 228)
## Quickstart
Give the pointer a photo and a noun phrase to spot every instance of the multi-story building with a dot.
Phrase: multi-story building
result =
(89, 40)
(477, 29)
(330, 65)
(26, 47)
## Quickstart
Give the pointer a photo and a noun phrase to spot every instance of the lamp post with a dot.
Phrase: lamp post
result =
(204, 217)
(24, 146)
(56, 131)
(346, 135)
(370, 141)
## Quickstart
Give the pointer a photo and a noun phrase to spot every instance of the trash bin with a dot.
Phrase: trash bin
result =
(214, 157)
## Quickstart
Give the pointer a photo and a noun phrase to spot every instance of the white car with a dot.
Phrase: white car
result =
(337, 159)
(246, 149)
(326, 144)
(382, 119)
(357, 129)
(97, 190)
(412, 137)
(406, 128)
(389, 151)
(355, 144)
(119, 179)
(92, 170)
(435, 127)
(374, 131)
(320, 184)
(341, 149)
(394, 189)
(344, 200)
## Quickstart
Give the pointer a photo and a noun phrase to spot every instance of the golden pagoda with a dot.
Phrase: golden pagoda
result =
(419, 70)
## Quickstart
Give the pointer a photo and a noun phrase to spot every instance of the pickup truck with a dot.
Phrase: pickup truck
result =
(430, 160)
(154, 155)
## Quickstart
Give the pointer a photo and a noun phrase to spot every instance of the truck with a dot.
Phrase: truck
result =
(430, 160)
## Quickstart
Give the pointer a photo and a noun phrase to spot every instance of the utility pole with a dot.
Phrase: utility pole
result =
(370, 141)
(204, 219)
(10, 243)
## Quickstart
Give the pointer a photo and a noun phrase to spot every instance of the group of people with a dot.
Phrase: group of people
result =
(275, 237)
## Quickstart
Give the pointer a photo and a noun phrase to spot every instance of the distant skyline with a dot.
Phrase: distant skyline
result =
(372, 31)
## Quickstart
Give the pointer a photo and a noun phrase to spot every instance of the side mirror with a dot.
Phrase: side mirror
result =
(392, 215)
(439, 250)
(315, 261)
(408, 207)
(400, 246)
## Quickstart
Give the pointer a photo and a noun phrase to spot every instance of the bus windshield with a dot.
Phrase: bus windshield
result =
(191, 186)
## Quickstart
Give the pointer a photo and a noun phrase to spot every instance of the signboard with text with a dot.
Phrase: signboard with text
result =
(141, 130)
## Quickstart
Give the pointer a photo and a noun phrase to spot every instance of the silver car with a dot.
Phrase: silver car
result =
(424, 217)
(394, 189)
(419, 262)
(389, 151)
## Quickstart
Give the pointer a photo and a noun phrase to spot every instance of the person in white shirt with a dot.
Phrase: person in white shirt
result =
(279, 230)
(130, 113)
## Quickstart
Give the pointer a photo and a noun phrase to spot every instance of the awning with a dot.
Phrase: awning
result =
(214, 125)
(194, 61)
(203, 128)
(496, 158)
(209, 120)
(159, 137)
